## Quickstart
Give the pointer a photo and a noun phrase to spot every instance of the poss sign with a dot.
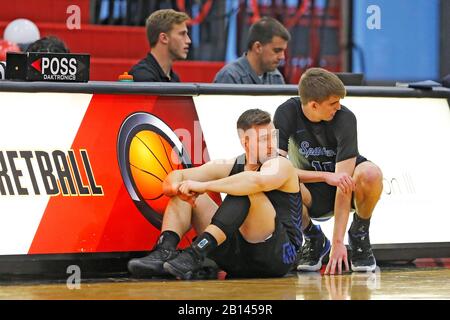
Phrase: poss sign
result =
(38, 66)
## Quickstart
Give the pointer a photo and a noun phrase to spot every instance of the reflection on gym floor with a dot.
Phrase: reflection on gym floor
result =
(347, 287)
(394, 282)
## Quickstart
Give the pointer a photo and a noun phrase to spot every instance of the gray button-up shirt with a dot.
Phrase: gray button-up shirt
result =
(241, 72)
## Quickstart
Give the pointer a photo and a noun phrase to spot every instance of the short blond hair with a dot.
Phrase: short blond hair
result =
(318, 84)
(162, 21)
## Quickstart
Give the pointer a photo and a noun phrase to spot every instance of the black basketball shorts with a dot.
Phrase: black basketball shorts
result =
(323, 196)
(271, 258)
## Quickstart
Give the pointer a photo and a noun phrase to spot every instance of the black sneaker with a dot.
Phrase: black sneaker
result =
(152, 265)
(362, 258)
(185, 266)
(313, 251)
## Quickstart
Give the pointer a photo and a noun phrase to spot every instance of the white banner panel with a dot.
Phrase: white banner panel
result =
(407, 137)
(34, 122)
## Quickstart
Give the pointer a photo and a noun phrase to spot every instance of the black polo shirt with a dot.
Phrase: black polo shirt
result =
(149, 70)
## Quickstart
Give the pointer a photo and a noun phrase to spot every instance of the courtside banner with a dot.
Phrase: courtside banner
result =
(407, 137)
(82, 173)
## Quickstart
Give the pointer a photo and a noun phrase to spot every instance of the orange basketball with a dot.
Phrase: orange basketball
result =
(151, 159)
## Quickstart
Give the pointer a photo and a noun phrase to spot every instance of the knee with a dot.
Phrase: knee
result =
(371, 178)
(179, 204)
(233, 203)
(176, 201)
(231, 213)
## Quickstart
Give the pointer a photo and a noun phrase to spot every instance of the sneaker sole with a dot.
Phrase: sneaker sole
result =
(177, 273)
(370, 268)
(317, 266)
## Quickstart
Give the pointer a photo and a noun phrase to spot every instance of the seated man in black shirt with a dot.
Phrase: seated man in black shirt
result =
(167, 35)
(256, 230)
(321, 138)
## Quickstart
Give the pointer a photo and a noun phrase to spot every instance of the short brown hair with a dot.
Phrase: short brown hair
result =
(162, 21)
(318, 84)
(253, 117)
(264, 30)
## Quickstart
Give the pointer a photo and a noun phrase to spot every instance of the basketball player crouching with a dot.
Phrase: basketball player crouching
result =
(320, 136)
(255, 232)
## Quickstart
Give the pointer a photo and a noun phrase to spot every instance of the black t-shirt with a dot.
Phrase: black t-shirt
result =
(316, 145)
(149, 70)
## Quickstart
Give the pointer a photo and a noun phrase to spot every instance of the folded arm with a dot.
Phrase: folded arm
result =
(209, 171)
(273, 174)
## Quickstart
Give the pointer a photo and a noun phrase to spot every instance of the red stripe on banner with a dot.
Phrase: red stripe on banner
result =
(110, 222)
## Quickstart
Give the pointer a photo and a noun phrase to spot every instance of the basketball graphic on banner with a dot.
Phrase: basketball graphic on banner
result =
(151, 160)
(148, 150)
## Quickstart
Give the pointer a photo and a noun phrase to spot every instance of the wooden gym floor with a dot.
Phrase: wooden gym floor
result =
(423, 279)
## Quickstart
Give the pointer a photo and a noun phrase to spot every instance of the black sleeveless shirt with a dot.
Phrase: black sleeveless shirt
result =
(288, 206)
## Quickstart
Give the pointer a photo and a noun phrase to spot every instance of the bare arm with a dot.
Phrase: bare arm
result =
(306, 176)
(342, 202)
(209, 171)
(342, 206)
(273, 175)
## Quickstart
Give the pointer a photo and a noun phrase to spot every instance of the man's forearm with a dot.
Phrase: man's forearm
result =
(241, 184)
(306, 176)
(341, 213)
(174, 176)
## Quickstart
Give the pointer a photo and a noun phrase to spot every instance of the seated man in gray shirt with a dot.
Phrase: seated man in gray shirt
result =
(267, 41)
